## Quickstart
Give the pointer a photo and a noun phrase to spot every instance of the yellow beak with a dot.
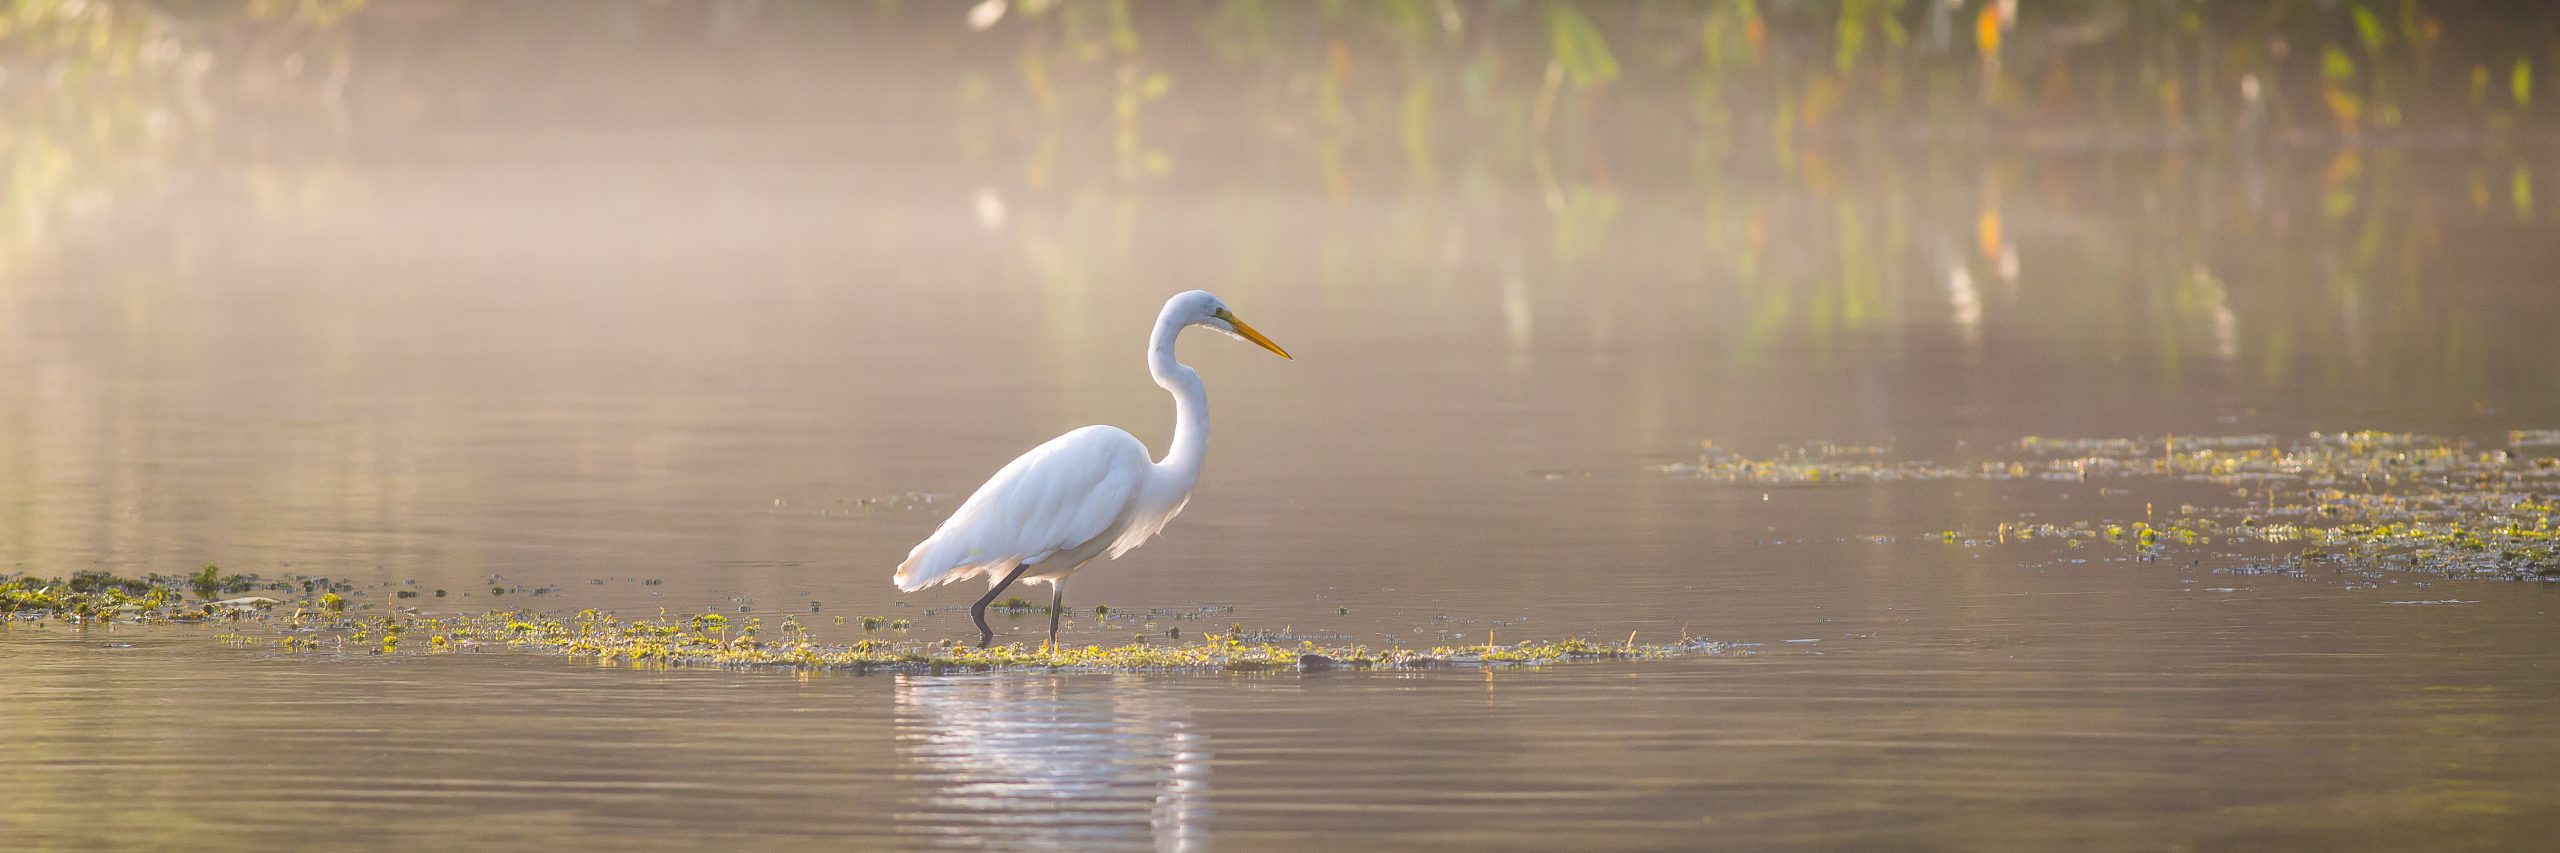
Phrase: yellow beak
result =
(1256, 337)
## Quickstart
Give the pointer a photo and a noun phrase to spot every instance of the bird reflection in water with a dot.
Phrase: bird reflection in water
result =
(1078, 762)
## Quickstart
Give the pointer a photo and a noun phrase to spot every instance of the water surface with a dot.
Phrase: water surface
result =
(754, 355)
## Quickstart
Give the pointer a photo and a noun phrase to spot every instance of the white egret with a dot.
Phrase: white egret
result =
(1091, 492)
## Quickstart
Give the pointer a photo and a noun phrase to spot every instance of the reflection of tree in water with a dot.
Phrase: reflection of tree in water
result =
(1070, 763)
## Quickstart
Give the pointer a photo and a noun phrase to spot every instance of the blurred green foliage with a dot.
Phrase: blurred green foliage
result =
(1819, 138)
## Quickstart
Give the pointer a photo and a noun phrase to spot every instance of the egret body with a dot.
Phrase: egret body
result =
(1082, 495)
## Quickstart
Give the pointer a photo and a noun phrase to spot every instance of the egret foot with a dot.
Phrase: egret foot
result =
(978, 611)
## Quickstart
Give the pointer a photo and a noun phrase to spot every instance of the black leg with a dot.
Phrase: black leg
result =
(1057, 605)
(978, 613)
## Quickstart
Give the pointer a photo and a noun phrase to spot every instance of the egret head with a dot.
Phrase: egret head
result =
(1199, 308)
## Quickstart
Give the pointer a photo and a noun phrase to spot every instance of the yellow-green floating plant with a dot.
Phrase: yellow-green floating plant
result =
(2354, 501)
(321, 623)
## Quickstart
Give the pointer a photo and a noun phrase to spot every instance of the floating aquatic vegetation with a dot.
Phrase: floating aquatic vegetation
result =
(2352, 501)
(2534, 438)
(1819, 462)
(97, 596)
(606, 639)
(211, 582)
(675, 641)
(2131, 447)
(900, 501)
(321, 624)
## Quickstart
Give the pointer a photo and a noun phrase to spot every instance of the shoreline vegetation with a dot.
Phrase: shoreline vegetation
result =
(313, 617)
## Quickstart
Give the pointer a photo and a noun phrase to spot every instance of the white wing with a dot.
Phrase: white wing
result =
(1058, 496)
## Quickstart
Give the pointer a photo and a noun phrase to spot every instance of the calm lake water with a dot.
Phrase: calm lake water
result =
(744, 364)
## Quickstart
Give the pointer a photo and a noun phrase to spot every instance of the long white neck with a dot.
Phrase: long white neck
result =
(1180, 467)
